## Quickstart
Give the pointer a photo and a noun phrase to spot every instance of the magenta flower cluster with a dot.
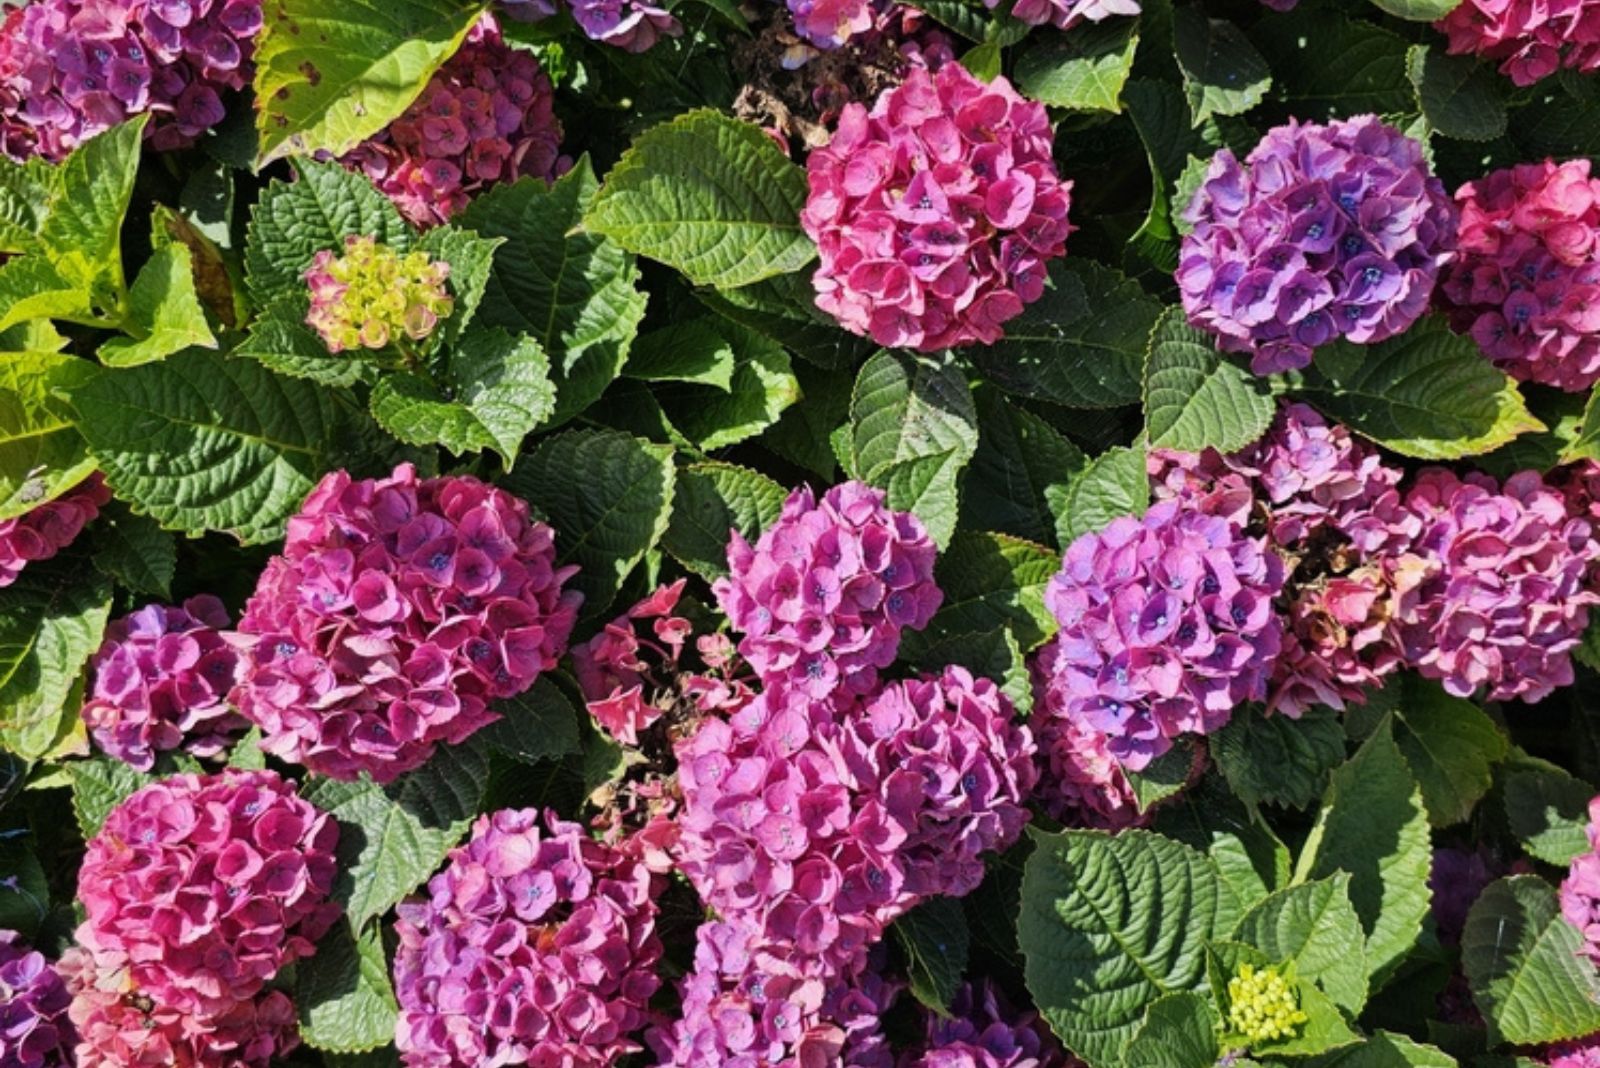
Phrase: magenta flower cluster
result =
(486, 117)
(826, 590)
(535, 945)
(1067, 14)
(46, 529)
(397, 610)
(1578, 1053)
(1526, 284)
(1532, 39)
(631, 25)
(936, 212)
(34, 1029)
(1323, 232)
(70, 69)
(1580, 891)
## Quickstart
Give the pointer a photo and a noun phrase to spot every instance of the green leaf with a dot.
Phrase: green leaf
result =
(1547, 809)
(1110, 924)
(1324, 1027)
(935, 940)
(992, 581)
(1112, 484)
(42, 455)
(761, 388)
(1276, 760)
(1250, 857)
(203, 442)
(81, 233)
(246, 753)
(280, 339)
(575, 292)
(992, 654)
(329, 76)
(1523, 962)
(1326, 64)
(1223, 74)
(51, 621)
(1081, 345)
(1373, 825)
(710, 500)
(1194, 399)
(1451, 746)
(1083, 70)
(495, 390)
(609, 497)
(293, 221)
(784, 308)
(471, 259)
(1314, 927)
(710, 196)
(1385, 1050)
(913, 428)
(25, 190)
(1459, 96)
(134, 551)
(1179, 1031)
(1586, 446)
(690, 351)
(343, 994)
(24, 892)
(393, 837)
(1019, 458)
(164, 313)
(31, 288)
(984, 62)
(99, 785)
(1418, 10)
(1428, 393)
(540, 724)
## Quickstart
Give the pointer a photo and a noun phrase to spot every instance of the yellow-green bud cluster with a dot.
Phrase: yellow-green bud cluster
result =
(373, 295)
(1262, 1006)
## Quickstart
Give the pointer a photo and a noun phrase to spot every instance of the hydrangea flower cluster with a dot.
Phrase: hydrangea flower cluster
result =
(828, 24)
(487, 116)
(1167, 624)
(983, 1031)
(161, 682)
(398, 608)
(824, 593)
(536, 944)
(1578, 1053)
(1323, 232)
(373, 296)
(1580, 891)
(70, 69)
(43, 531)
(631, 25)
(1504, 601)
(612, 670)
(1081, 783)
(198, 889)
(936, 211)
(34, 1029)
(816, 825)
(1065, 14)
(1526, 284)
(1262, 1006)
(1532, 39)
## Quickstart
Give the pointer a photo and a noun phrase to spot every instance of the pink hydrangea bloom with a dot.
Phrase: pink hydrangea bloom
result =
(1167, 624)
(161, 682)
(936, 212)
(1081, 783)
(536, 944)
(828, 24)
(612, 670)
(398, 609)
(198, 889)
(1526, 285)
(43, 531)
(372, 296)
(825, 591)
(1066, 14)
(487, 116)
(1504, 601)
(70, 69)
(1580, 891)
(1578, 1053)
(34, 1029)
(983, 1031)
(1579, 483)
(119, 1027)
(1324, 231)
(1532, 39)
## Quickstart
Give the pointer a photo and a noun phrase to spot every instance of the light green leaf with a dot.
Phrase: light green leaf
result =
(1193, 398)
(25, 190)
(42, 455)
(1223, 74)
(1524, 964)
(203, 442)
(280, 339)
(31, 288)
(540, 724)
(1451, 746)
(1385, 1050)
(992, 581)
(328, 76)
(164, 313)
(1547, 809)
(1164, 777)
(1081, 345)
(710, 196)
(1019, 459)
(134, 551)
(1112, 484)
(984, 62)
(575, 292)
(1083, 70)
(81, 233)
(934, 938)
(1373, 825)
(689, 351)
(1586, 446)
(343, 994)
(710, 500)
(1276, 760)
(1326, 64)
(100, 784)
(992, 654)
(51, 621)
(762, 387)
(471, 259)
(1418, 10)
(1314, 927)
(1428, 393)
(393, 837)
(495, 391)
(1179, 1031)
(609, 497)
(1460, 96)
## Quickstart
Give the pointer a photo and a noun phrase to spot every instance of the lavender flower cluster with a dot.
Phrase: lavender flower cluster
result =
(631, 25)
(35, 1031)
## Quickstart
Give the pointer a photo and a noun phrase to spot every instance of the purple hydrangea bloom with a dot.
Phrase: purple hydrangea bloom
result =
(1065, 14)
(1167, 624)
(1580, 891)
(43, 531)
(632, 25)
(1323, 232)
(983, 1031)
(824, 593)
(161, 682)
(536, 944)
(1578, 1053)
(34, 1029)
(1080, 782)
(398, 609)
